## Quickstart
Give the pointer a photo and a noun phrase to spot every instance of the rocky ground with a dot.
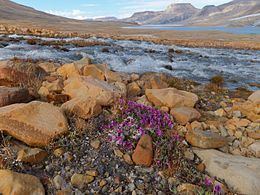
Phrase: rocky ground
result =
(81, 128)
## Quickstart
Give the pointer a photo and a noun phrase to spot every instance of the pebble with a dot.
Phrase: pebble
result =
(58, 182)
(95, 144)
(118, 153)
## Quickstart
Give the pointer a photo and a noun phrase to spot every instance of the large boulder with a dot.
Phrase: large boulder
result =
(12, 183)
(35, 123)
(10, 76)
(183, 115)
(255, 97)
(101, 72)
(73, 69)
(89, 86)
(154, 81)
(240, 173)
(13, 95)
(205, 139)
(171, 97)
(250, 109)
(83, 107)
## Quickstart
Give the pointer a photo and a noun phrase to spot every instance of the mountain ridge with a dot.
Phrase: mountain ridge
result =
(187, 14)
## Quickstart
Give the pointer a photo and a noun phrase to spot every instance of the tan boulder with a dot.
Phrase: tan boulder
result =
(249, 109)
(143, 153)
(89, 86)
(73, 69)
(255, 97)
(35, 123)
(54, 86)
(83, 107)
(188, 189)
(154, 81)
(13, 95)
(183, 115)
(101, 72)
(12, 183)
(240, 173)
(97, 71)
(48, 66)
(171, 97)
(133, 89)
(9, 76)
(205, 139)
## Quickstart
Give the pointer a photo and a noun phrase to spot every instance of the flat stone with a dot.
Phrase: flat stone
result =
(17, 183)
(205, 139)
(171, 97)
(83, 107)
(31, 155)
(33, 123)
(240, 173)
(100, 90)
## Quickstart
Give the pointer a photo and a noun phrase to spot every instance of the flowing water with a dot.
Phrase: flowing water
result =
(238, 67)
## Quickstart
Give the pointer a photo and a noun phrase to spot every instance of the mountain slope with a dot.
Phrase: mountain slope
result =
(237, 12)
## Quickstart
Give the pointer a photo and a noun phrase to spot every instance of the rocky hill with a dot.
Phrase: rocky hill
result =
(237, 12)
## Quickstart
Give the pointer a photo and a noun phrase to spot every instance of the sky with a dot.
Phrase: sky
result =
(83, 9)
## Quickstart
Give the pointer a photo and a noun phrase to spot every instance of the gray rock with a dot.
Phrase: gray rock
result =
(240, 173)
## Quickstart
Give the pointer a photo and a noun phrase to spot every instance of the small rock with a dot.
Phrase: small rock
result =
(89, 179)
(58, 181)
(189, 155)
(165, 109)
(220, 112)
(58, 152)
(254, 134)
(118, 153)
(95, 144)
(238, 134)
(128, 159)
(188, 188)
(143, 153)
(255, 148)
(31, 155)
(78, 180)
(102, 183)
(201, 167)
(93, 173)
(237, 114)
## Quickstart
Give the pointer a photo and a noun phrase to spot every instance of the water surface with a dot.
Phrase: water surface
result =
(234, 30)
(238, 67)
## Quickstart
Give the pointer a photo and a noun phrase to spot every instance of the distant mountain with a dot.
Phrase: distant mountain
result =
(106, 19)
(237, 13)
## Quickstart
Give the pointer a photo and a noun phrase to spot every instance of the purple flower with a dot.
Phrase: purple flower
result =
(208, 182)
(217, 189)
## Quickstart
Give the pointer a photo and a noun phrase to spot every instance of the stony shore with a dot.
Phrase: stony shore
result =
(187, 39)
(81, 128)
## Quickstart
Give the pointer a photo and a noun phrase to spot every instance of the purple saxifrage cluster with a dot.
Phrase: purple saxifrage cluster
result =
(133, 120)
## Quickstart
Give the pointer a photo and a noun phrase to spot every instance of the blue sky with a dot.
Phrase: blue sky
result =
(82, 9)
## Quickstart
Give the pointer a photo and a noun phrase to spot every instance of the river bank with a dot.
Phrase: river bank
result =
(212, 39)
(82, 128)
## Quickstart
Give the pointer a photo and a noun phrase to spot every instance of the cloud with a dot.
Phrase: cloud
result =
(74, 14)
(89, 5)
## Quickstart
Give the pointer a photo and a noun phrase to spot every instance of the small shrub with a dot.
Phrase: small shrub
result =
(32, 41)
(217, 80)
